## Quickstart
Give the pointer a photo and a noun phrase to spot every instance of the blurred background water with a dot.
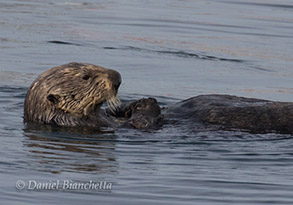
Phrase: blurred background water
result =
(168, 49)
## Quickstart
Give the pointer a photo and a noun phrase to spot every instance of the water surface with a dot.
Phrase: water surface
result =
(170, 50)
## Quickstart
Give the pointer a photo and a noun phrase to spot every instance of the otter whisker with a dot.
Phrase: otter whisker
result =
(113, 103)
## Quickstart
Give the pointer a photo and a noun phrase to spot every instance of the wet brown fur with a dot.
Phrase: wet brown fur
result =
(71, 95)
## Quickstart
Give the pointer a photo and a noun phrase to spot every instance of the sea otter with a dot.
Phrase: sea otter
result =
(71, 95)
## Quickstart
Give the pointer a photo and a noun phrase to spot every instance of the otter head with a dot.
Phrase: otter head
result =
(74, 89)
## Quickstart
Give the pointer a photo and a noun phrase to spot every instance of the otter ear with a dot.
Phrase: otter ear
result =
(53, 98)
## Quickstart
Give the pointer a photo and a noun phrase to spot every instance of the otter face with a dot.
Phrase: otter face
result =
(75, 88)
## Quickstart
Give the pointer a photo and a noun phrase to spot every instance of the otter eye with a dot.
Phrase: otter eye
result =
(85, 77)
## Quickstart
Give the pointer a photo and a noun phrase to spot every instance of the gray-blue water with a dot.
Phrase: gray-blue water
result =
(168, 49)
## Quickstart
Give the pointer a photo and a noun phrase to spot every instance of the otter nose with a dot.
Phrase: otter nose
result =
(115, 77)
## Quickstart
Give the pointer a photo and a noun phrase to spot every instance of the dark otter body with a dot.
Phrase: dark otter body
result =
(71, 95)
(233, 113)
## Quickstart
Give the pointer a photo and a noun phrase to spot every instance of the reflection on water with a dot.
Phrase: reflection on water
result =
(69, 150)
(170, 50)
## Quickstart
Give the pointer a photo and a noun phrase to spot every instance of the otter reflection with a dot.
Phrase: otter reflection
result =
(66, 150)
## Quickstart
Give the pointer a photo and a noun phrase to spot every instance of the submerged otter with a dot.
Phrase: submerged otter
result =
(71, 95)
(228, 112)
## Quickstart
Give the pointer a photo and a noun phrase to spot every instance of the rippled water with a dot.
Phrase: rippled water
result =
(168, 49)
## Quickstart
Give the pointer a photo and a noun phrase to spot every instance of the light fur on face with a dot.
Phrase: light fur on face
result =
(65, 94)
(113, 103)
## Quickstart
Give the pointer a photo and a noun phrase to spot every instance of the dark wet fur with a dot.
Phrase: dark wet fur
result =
(232, 113)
